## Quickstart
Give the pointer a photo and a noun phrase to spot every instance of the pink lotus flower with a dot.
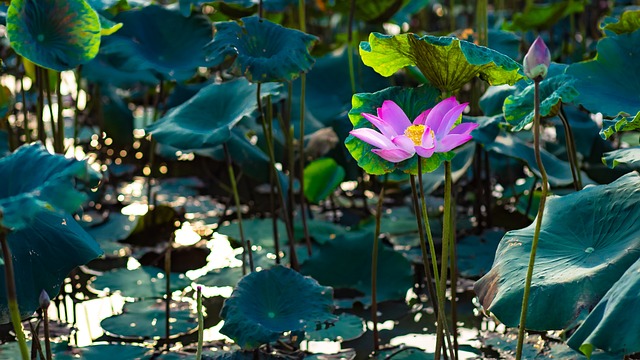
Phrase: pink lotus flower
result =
(536, 61)
(432, 131)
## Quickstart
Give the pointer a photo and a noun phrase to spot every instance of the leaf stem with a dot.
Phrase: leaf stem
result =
(236, 199)
(374, 269)
(536, 234)
(571, 150)
(352, 76)
(200, 323)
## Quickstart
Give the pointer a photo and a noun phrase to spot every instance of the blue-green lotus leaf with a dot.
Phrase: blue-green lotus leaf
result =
(544, 16)
(413, 101)
(408, 9)
(263, 51)
(55, 34)
(149, 40)
(628, 22)
(619, 123)
(492, 100)
(321, 178)
(628, 156)
(610, 83)
(143, 282)
(446, 62)
(267, 303)
(146, 319)
(335, 265)
(107, 70)
(36, 181)
(101, 351)
(588, 239)
(348, 327)
(259, 231)
(228, 276)
(611, 326)
(564, 352)
(554, 91)
(117, 227)
(43, 255)
(205, 120)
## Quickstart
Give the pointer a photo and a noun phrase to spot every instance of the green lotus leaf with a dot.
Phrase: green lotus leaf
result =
(610, 326)
(105, 70)
(446, 62)
(609, 84)
(228, 276)
(36, 181)
(259, 231)
(146, 319)
(267, 303)
(492, 100)
(628, 22)
(413, 101)
(554, 91)
(348, 327)
(407, 11)
(395, 274)
(55, 34)
(475, 253)
(148, 40)
(108, 27)
(629, 156)
(99, 351)
(263, 51)
(587, 241)
(370, 11)
(206, 119)
(143, 282)
(117, 227)
(564, 352)
(620, 123)
(321, 178)
(544, 16)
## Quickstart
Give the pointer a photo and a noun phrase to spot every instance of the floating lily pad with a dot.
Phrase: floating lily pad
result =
(117, 227)
(628, 156)
(55, 34)
(475, 253)
(206, 119)
(447, 63)
(592, 231)
(321, 178)
(554, 91)
(267, 303)
(348, 327)
(319, 230)
(98, 351)
(263, 51)
(610, 325)
(144, 282)
(149, 40)
(628, 22)
(346, 271)
(413, 101)
(609, 84)
(259, 231)
(146, 319)
(405, 353)
(228, 276)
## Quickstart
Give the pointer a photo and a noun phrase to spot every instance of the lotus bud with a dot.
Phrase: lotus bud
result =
(44, 300)
(536, 62)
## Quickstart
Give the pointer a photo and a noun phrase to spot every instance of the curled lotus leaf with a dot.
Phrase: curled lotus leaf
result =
(628, 156)
(588, 239)
(413, 101)
(628, 22)
(55, 34)
(267, 303)
(447, 63)
(261, 50)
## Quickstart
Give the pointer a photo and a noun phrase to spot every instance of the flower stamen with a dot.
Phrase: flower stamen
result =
(415, 132)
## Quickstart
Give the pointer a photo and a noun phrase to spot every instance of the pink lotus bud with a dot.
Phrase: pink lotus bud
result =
(536, 62)
(44, 300)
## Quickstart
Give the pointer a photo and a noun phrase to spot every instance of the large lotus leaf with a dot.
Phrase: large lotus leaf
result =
(629, 156)
(348, 327)
(145, 319)
(628, 22)
(150, 40)
(207, 118)
(56, 34)
(263, 51)
(554, 91)
(267, 303)
(588, 239)
(611, 326)
(144, 282)
(102, 351)
(558, 171)
(620, 123)
(413, 101)
(33, 180)
(447, 63)
(228, 276)
(395, 274)
(370, 11)
(43, 255)
(321, 178)
(544, 16)
(564, 352)
(106, 70)
(610, 83)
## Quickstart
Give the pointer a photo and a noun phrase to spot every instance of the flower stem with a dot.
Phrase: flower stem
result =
(200, 323)
(76, 113)
(12, 297)
(47, 335)
(352, 75)
(571, 150)
(536, 233)
(167, 309)
(236, 199)
(374, 269)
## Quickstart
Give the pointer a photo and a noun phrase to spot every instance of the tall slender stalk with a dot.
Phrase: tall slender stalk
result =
(76, 113)
(536, 233)
(374, 269)
(42, 135)
(352, 75)
(200, 322)
(571, 150)
(152, 145)
(25, 112)
(167, 309)
(236, 199)
(12, 297)
(60, 119)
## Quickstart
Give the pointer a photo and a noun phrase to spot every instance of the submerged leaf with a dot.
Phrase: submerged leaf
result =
(448, 63)
(588, 240)
(267, 303)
